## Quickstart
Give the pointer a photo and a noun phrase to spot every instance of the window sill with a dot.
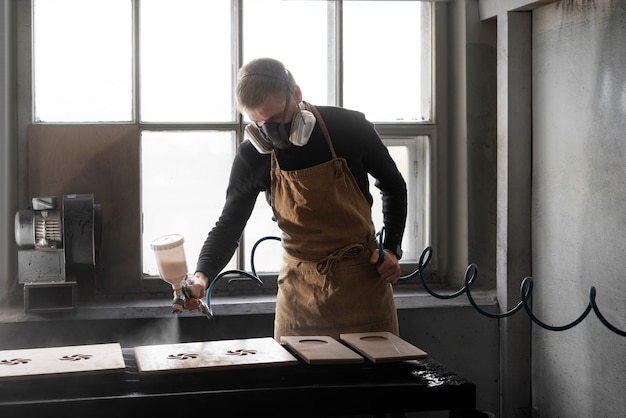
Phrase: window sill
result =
(222, 305)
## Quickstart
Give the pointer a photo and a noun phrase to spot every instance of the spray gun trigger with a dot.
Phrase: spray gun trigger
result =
(202, 307)
(185, 288)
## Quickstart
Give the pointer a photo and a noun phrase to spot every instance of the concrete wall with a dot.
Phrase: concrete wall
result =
(8, 150)
(579, 206)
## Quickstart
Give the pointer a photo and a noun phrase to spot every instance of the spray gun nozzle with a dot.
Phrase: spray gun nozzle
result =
(178, 305)
(205, 309)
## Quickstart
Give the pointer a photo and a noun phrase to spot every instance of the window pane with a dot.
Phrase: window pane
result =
(268, 254)
(185, 67)
(386, 62)
(411, 157)
(184, 180)
(82, 60)
(302, 45)
(295, 33)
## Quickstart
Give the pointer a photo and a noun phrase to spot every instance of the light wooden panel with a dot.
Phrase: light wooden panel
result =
(212, 355)
(57, 361)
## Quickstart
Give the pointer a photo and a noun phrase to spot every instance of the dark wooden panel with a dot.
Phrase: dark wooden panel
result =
(104, 161)
(321, 349)
(382, 347)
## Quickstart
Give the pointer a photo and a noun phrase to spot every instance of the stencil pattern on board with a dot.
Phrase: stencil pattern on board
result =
(240, 352)
(54, 361)
(211, 355)
(76, 357)
(182, 356)
(14, 361)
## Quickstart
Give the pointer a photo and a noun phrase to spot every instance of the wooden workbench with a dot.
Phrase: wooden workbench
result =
(300, 390)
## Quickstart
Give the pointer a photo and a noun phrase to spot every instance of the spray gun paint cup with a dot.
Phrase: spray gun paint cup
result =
(172, 263)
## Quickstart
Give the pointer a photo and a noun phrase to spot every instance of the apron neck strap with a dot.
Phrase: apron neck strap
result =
(320, 120)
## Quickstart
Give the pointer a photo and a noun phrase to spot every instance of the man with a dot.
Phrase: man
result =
(313, 164)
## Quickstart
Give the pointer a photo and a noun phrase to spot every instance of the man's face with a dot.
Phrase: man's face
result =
(273, 110)
(273, 120)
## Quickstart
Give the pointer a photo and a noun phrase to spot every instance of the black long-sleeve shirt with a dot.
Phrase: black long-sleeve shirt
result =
(353, 137)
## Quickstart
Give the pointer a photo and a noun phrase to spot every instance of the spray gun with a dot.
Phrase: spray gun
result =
(202, 307)
(172, 263)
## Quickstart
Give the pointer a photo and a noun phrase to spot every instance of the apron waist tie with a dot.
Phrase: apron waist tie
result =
(328, 263)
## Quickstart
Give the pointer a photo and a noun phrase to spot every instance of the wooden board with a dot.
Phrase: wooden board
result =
(382, 347)
(57, 361)
(321, 350)
(211, 355)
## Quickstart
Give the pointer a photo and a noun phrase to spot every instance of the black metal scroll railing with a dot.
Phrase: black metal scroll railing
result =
(238, 273)
(471, 273)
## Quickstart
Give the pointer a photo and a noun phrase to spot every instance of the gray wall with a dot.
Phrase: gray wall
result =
(8, 150)
(578, 197)
(579, 206)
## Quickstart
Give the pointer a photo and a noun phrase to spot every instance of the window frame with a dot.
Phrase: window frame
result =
(386, 130)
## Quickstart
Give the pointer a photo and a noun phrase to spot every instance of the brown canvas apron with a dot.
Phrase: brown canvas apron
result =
(327, 285)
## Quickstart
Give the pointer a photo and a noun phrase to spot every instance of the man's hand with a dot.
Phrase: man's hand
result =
(197, 290)
(389, 269)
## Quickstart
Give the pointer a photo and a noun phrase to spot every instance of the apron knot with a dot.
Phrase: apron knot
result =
(328, 263)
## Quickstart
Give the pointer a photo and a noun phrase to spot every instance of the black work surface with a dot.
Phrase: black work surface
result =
(300, 390)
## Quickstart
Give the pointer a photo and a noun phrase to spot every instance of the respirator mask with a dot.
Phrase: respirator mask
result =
(281, 135)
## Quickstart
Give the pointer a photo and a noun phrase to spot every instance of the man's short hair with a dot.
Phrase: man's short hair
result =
(259, 79)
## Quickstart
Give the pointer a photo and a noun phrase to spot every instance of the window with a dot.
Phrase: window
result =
(82, 50)
(169, 67)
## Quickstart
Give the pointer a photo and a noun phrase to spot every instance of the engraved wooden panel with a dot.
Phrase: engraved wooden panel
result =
(321, 350)
(197, 356)
(56, 361)
(382, 347)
